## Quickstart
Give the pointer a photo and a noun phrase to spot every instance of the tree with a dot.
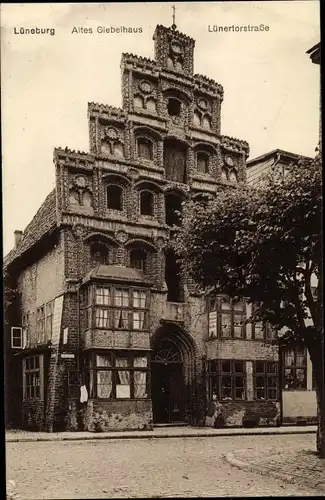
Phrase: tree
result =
(264, 244)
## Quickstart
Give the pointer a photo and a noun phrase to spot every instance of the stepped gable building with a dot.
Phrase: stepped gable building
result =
(105, 333)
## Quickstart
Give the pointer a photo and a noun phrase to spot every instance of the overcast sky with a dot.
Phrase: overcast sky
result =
(271, 87)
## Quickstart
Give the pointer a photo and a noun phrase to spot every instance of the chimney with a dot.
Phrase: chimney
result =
(18, 236)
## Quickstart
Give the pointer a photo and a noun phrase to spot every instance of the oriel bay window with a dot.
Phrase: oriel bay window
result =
(266, 380)
(226, 380)
(119, 375)
(115, 307)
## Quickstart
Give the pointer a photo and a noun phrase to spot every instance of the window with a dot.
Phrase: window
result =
(263, 331)
(117, 308)
(138, 259)
(26, 329)
(32, 377)
(99, 254)
(266, 380)
(40, 324)
(145, 149)
(138, 102)
(197, 119)
(174, 107)
(114, 197)
(233, 176)
(224, 174)
(203, 163)
(121, 375)
(17, 340)
(295, 369)
(146, 203)
(49, 308)
(226, 380)
(231, 317)
(175, 288)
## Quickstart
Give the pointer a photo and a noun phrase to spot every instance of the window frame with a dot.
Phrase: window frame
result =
(215, 305)
(145, 259)
(204, 155)
(121, 191)
(39, 371)
(219, 374)
(267, 376)
(126, 310)
(145, 141)
(20, 337)
(294, 367)
(114, 369)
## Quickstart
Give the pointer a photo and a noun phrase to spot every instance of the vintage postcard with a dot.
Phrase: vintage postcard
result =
(147, 306)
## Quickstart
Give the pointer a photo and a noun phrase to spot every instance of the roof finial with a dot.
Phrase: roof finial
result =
(174, 25)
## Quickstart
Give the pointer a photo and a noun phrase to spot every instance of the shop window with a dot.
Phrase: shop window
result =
(230, 317)
(145, 149)
(266, 380)
(174, 107)
(295, 368)
(121, 375)
(114, 196)
(175, 290)
(203, 163)
(99, 254)
(32, 377)
(147, 203)
(173, 209)
(226, 380)
(175, 161)
(138, 259)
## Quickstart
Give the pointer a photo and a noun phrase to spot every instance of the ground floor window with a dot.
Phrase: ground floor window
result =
(119, 375)
(226, 380)
(266, 380)
(294, 368)
(33, 377)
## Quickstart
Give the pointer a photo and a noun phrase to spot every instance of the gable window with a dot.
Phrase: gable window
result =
(147, 203)
(121, 375)
(203, 163)
(226, 380)
(114, 196)
(99, 254)
(145, 149)
(138, 259)
(295, 368)
(266, 380)
(230, 317)
(174, 107)
(33, 377)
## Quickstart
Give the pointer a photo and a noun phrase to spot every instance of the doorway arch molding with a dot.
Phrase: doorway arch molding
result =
(174, 333)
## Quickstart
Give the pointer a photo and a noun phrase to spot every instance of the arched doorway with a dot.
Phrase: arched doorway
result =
(172, 376)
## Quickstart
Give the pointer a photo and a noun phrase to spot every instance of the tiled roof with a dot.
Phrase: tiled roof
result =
(43, 221)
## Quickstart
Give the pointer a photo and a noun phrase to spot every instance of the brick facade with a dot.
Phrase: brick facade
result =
(170, 121)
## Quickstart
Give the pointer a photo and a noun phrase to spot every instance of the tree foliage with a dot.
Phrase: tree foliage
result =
(262, 243)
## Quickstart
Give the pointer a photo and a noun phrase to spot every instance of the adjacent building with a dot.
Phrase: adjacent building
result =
(104, 332)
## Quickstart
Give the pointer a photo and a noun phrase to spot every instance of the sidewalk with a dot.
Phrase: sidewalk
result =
(157, 432)
(294, 466)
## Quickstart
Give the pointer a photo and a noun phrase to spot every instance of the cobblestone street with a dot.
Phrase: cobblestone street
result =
(146, 468)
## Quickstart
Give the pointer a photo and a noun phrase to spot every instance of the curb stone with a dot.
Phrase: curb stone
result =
(97, 436)
(268, 471)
